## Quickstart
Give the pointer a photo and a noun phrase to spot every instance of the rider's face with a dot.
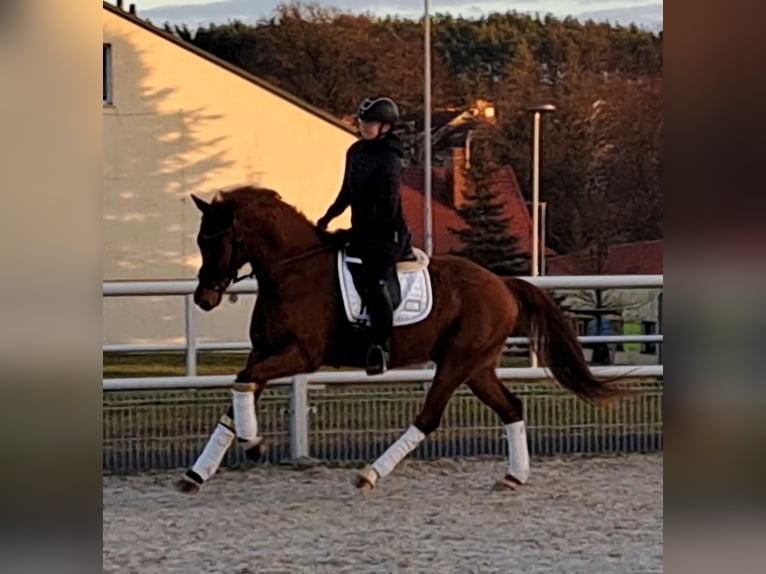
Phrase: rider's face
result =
(371, 130)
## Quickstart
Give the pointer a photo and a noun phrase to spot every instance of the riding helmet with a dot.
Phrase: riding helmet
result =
(382, 110)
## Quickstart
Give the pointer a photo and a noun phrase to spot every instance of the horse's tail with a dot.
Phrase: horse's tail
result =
(554, 340)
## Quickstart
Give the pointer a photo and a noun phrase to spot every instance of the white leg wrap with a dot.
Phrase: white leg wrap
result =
(518, 452)
(244, 415)
(208, 462)
(397, 451)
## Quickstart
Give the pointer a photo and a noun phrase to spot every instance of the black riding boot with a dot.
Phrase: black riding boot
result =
(381, 314)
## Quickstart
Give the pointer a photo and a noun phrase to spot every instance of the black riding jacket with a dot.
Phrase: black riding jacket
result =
(371, 187)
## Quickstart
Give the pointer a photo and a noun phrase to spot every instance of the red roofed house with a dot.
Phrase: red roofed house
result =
(451, 135)
(638, 258)
(444, 216)
(448, 190)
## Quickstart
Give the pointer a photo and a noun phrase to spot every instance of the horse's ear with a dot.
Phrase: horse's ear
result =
(201, 204)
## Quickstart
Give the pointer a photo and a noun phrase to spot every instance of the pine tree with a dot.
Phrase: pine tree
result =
(487, 240)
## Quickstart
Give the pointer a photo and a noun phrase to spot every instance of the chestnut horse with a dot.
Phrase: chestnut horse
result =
(298, 325)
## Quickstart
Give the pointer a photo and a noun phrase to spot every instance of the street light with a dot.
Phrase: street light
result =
(543, 227)
(427, 217)
(543, 232)
(428, 232)
(537, 112)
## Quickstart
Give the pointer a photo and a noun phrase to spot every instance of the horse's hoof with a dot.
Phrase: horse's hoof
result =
(363, 484)
(187, 486)
(366, 479)
(506, 484)
(257, 451)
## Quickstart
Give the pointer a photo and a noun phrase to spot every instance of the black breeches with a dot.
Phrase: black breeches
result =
(378, 269)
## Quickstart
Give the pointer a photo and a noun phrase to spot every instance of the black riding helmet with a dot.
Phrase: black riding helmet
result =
(382, 110)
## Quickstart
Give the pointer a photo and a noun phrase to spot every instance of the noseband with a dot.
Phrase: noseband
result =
(232, 273)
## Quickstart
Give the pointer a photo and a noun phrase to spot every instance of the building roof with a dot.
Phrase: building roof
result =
(507, 187)
(639, 258)
(260, 82)
(444, 214)
(444, 217)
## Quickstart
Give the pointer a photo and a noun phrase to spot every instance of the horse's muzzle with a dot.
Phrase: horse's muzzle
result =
(206, 298)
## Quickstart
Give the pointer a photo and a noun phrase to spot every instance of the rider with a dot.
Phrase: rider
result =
(379, 232)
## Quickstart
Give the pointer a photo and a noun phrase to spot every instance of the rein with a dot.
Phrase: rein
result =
(284, 262)
(304, 255)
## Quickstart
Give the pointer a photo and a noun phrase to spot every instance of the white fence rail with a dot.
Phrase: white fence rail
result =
(187, 287)
(351, 377)
(245, 346)
(301, 384)
(191, 346)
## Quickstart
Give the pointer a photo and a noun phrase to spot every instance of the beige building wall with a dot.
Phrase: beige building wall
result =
(176, 123)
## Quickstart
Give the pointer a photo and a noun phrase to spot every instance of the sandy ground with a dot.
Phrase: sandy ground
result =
(594, 515)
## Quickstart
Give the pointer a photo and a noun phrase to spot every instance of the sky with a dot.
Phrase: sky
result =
(646, 12)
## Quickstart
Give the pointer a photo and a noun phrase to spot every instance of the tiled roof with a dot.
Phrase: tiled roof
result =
(507, 186)
(639, 258)
(445, 216)
(260, 82)
(441, 182)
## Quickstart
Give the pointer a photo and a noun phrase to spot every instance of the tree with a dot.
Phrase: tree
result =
(488, 239)
(601, 172)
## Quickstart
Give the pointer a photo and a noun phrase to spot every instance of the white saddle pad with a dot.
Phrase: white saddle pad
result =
(417, 296)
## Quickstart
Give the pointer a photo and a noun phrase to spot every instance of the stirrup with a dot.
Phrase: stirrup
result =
(377, 360)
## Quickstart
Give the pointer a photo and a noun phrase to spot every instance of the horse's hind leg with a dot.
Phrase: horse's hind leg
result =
(491, 391)
(449, 376)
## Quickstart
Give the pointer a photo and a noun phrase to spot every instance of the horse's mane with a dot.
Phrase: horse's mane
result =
(251, 199)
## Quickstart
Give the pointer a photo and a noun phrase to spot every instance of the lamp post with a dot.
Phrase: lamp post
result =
(427, 216)
(543, 233)
(537, 112)
(428, 232)
(543, 227)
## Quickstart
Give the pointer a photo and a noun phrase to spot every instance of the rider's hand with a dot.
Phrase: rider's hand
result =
(323, 222)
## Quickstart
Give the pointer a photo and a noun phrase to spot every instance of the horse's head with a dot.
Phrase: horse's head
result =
(249, 225)
(220, 243)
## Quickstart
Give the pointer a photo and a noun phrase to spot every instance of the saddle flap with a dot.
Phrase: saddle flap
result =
(414, 282)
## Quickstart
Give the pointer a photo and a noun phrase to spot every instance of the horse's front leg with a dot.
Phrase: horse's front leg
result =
(221, 439)
(245, 396)
(252, 381)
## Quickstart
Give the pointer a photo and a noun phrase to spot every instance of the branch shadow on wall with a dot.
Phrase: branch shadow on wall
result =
(156, 157)
(157, 152)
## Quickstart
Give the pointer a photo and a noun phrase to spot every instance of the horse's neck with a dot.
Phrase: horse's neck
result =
(283, 246)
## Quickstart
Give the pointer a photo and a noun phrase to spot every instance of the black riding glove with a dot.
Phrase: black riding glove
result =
(323, 222)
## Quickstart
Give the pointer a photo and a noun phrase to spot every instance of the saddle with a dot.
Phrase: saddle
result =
(409, 288)
(412, 261)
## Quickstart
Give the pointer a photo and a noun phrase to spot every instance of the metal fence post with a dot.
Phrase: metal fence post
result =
(299, 417)
(191, 339)
(660, 326)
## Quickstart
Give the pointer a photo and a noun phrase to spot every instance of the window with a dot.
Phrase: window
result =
(107, 71)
